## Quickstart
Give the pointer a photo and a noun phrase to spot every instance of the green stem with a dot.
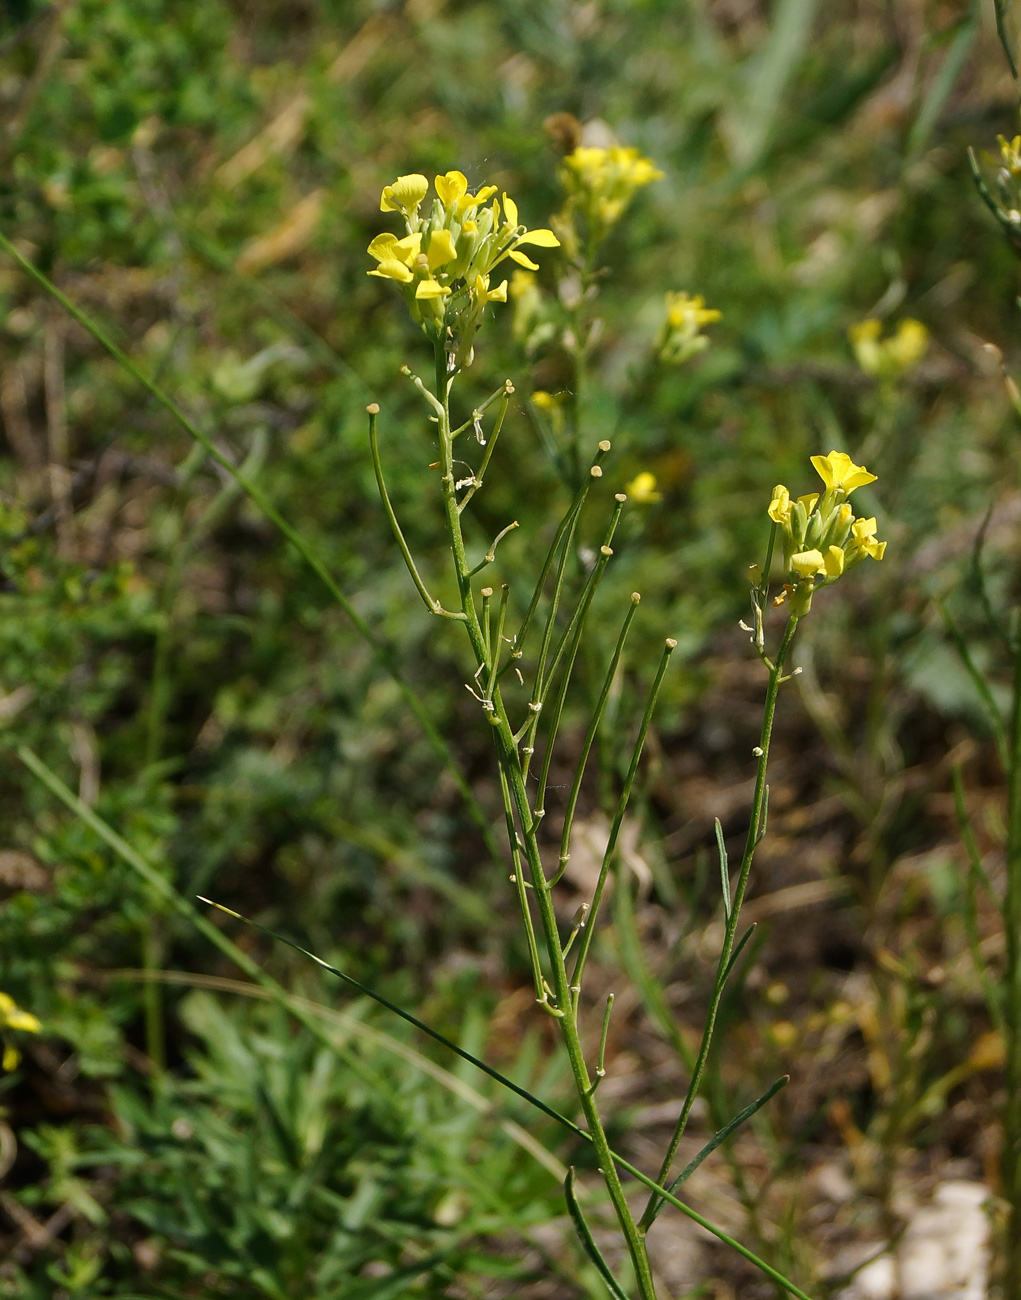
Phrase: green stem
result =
(1011, 1160)
(752, 839)
(433, 605)
(609, 856)
(590, 736)
(562, 1006)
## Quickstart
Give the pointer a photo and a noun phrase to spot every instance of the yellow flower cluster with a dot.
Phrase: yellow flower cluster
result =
(12, 1017)
(681, 337)
(1010, 154)
(891, 357)
(821, 536)
(444, 261)
(600, 183)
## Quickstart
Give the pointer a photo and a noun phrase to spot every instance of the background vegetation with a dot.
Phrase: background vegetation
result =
(204, 178)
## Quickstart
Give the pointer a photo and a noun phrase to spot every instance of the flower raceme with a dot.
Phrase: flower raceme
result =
(680, 337)
(821, 536)
(891, 357)
(601, 182)
(444, 263)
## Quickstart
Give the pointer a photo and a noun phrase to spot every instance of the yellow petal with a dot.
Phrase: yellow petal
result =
(431, 289)
(522, 260)
(838, 470)
(451, 186)
(540, 238)
(24, 1020)
(511, 210)
(863, 528)
(499, 294)
(11, 1058)
(441, 249)
(382, 246)
(808, 501)
(834, 561)
(866, 331)
(807, 563)
(476, 200)
(391, 269)
(780, 506)
(405, 194)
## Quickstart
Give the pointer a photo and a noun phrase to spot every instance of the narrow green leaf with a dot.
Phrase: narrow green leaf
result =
(740, 1118)
(587, 1240)
(1002, 10)
(724, 869)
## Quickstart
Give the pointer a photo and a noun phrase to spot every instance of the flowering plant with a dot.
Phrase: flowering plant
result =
(445, 261)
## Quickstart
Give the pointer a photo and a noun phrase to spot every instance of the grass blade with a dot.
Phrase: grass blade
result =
(587, 1240)
(740, 1118)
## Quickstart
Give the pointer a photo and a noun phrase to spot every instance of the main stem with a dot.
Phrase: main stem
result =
(1011, 1160)
(655, 1202)
(509, 759)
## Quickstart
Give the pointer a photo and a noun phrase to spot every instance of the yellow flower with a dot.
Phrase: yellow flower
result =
(441, 249)
(839, 472)
(600, 183)
(642, 489)
(404, 195)
(395, 256)
(546, 401)
(485, 294)
(681, 337)
(12, 1017)
(908, 345)
(683, 311)
(863, 534)
(521, 283)
(444, 261)
(821, 537)
(888, 358)
(452, 189)
(1010, 154)
(780, 506)
(808, 563)
(431, 289)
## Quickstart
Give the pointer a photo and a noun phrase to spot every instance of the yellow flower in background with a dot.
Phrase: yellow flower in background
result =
(892, 357)
(600, 184)
(1010, 154)
(12, 1017)
(642, 489)
(680, 336)
(839, 472)
(821, 536)
(908, 345)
